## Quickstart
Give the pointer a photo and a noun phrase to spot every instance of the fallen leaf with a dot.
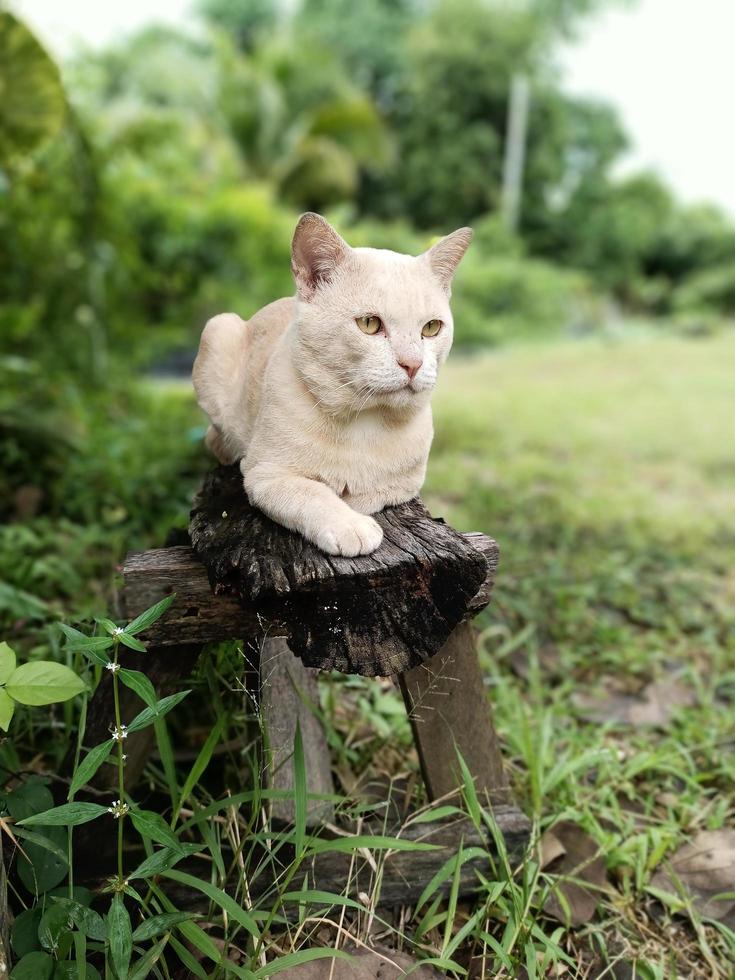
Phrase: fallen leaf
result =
(378, 963)
(572, 855)
(549, 661)
(654, 706)
(703, 869)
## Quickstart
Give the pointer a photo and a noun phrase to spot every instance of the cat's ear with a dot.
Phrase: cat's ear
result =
(445, 255)
(316, 251)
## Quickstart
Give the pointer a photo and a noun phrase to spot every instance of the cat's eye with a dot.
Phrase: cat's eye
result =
(369, 324)
(432, 328)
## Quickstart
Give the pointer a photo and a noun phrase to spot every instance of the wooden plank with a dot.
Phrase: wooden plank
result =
(449, 710)
(403, 875)
(199, 616)
(288, 690)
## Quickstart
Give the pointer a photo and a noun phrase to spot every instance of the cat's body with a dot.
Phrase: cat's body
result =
(330, 418)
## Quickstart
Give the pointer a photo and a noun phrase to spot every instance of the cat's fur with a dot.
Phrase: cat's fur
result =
(327, 422)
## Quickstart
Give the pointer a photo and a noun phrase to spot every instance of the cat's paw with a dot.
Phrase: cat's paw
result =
(355, 534)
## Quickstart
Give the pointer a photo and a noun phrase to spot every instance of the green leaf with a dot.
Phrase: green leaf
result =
(107, 625)
(43, 682)
(301, 956)
(153, 826)
(45, 842)
(220, 899)
(29, 798)
(38, 105)
(162, 860)
(377, 843)
(33, 966)
(24, 936)
(158, 924)
(316, 897)
(130, 641)
(7, 662)
(87, 920)
(150, 616)
(67, 815)
(148, 715)
(90, 645)
(142, 967)
(45, 863)
(120, 937)
(7, 708)
(139, 683)
(201, 762)
(68, 970)
(300, 800)
(54, 930)
(89, 766)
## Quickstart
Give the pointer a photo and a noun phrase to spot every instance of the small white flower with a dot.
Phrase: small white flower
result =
(112, 667)
(118, 809)
(224, 513)
(117, 631)
(118, 734)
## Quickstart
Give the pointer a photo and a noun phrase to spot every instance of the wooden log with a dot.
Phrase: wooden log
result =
(403, 874)
(288, 695)
(197, 615)
(449, 711)
(376, 614)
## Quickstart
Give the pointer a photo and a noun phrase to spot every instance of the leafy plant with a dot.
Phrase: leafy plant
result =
(35, 683)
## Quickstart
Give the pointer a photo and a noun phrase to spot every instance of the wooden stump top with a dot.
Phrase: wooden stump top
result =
(376, 614)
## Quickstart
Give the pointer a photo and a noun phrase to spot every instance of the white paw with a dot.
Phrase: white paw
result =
(353, 535)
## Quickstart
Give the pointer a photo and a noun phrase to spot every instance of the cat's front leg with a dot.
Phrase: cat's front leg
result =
(312, 509)
(374, 502)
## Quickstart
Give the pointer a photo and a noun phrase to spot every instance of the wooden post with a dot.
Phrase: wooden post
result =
(288, 694)
(449, 711)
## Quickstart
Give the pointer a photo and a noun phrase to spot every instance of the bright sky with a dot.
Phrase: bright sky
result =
(667, 65)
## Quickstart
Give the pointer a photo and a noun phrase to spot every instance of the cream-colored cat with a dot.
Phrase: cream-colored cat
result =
(324, 398)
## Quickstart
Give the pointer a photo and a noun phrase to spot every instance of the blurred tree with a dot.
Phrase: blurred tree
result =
(245, 22)
(370, 38)
(451, 116)
(301, 123)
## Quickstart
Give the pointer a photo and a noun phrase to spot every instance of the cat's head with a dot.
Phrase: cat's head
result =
(373, 327)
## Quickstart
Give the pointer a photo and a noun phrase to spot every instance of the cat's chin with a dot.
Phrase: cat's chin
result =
(404, 397)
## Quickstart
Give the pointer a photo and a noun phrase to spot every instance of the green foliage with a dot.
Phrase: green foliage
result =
(32, 103)
(510, 299)
(37, 683)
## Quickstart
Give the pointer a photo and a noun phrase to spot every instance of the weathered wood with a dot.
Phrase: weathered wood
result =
(376, 614)
(288, 690)
(403, 874)
(167, 668)
(199, 616)
(449, 710)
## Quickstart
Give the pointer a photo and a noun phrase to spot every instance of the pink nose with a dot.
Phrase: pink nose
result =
(412, 368)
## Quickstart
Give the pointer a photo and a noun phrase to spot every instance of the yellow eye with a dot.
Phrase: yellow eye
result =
(369, 324)
(432, 328)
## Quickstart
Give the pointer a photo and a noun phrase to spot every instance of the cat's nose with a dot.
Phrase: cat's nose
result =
(410, 366)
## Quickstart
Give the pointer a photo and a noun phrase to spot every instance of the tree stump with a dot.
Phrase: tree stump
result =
(376, 614)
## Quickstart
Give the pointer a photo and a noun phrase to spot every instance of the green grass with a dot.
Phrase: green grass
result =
(605, 471)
